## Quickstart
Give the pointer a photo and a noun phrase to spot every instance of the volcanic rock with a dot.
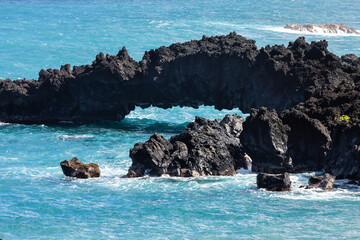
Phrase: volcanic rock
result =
(272, 182)
(308, 141)
(325, 182)
(343, 159)
(78, 169)
(223, 71)
(265, 139)
(204, 148)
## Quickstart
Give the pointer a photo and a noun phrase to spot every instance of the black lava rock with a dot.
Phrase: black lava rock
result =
(325, 182)
(204, 148)
(274, 182)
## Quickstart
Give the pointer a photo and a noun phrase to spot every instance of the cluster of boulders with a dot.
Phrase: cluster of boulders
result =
(220, 147)
(291, 142)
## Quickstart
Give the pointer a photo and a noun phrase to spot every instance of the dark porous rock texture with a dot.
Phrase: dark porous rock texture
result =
(265, 139)
(223, 71)
(325, 182)
(330, 103)
(274, 182)
(291, 142)
(204, 148)
(78, 169)
(338, 109)
(308, 141)
(343, 160)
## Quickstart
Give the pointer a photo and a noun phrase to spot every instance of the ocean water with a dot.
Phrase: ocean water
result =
(38, 202)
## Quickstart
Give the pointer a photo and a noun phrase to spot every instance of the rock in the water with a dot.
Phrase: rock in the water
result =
(78, 169)
(338, 28)
(325, 182)
(204, 148)
(274, 182)
(265, 139)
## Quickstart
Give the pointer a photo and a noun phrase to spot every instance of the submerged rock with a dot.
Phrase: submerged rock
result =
(78, 169)
(274, 182)
(204, 148)
(325, 182)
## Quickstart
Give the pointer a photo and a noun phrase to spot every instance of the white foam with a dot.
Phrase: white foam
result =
(244, 171)
(224, 24)
(317, 32)
(74, 137)
(4, 124)
(340, 191)
(112, 171)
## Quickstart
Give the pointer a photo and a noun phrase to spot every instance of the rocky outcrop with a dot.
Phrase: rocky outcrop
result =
(265, 139)
(224, 71)
(291, 142)
(272, 182)
(204, 148)
(78, 169)
(325, 182)
(343, 160)
(338, 109)
(308, 141)
(315, 94)
(338, 28)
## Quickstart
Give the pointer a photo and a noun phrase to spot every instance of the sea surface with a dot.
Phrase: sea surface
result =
(38, 202)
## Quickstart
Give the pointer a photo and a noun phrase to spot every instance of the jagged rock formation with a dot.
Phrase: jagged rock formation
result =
(265, 139)
(325, 182)
(343, 159)
(338, 28)
(291, 142)
(272, 182)
(329, 105)
(311, 90)
(78, 169)
(204, 148)
(224, 71)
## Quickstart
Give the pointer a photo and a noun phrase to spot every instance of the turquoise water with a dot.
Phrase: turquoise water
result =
(38, 202)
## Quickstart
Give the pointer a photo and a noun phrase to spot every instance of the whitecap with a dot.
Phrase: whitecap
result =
(319, 33)
(340, 191)
(74, 137)
(244, 171)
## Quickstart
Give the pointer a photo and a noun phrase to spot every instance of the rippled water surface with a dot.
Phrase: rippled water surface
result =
(38, 202)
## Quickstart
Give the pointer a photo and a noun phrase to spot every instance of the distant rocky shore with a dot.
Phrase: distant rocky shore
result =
(338, 28)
